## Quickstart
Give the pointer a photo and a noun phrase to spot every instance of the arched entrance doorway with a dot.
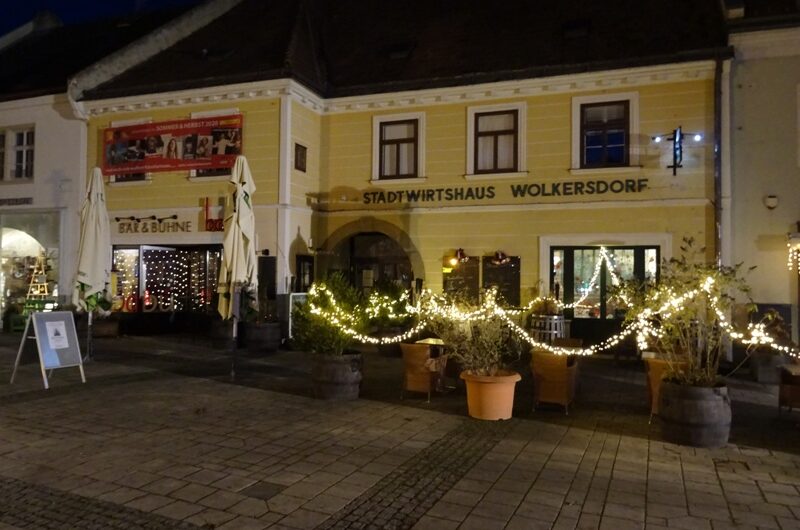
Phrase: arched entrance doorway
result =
(369, 251)
(374, 258)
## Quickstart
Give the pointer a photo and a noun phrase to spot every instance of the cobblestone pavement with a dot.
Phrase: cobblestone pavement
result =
(160, 438)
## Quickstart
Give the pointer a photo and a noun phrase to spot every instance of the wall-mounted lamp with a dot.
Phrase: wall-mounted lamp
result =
(500, 258)
(771, 201)
(460, 257)
(677, 145)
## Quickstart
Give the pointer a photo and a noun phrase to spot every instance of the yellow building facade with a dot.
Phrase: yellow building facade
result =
(537, 199)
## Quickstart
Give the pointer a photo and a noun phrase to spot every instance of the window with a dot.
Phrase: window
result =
(23, 154)
(496, 139)
(129, 177)
(398, 149)
(398, 146)
(579, 276)
(16, 153)
(604, 131)
(300, 152)
(604, 134)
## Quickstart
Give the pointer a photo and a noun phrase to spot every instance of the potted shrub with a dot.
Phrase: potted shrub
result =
(685, 317)
(336, 372)
(484, 346)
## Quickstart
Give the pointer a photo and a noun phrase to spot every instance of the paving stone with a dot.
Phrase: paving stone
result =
(192, 492)
(26, 505)
(250, 507)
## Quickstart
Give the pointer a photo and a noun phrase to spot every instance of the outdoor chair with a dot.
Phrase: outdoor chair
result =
(570, 342)
(417, 376)
(789, 389)
(554, 378)
(656, 369)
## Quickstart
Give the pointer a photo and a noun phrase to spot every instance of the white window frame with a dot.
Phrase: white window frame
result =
(663, 240)
(633, 131)
(9, 151)
(148, 177)
(193, 176)
(522, 126)
(376, 143)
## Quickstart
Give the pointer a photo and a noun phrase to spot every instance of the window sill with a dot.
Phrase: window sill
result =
(215, 178)
(620, 170)
(496, 176)
(398, 182)
(16, 181)
(145, 182)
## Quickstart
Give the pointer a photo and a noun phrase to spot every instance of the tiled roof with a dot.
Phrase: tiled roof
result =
(349, 47)
(41, 63)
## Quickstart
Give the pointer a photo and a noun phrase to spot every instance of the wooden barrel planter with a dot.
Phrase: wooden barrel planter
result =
(490, 397)
(695, 415)
(337, 376)
(262, 337)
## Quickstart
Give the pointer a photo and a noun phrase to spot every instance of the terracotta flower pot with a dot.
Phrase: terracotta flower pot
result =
(490, 397)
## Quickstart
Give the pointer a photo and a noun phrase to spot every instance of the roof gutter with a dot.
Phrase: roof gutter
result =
(141, 50)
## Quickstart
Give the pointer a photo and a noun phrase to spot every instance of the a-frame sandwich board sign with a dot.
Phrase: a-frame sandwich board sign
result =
(56, 344)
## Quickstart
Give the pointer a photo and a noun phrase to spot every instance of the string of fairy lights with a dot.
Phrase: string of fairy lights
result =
(793, 261)
(431, 305)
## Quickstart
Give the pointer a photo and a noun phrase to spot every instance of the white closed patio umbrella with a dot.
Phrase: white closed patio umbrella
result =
(94, 252)
(238, 270)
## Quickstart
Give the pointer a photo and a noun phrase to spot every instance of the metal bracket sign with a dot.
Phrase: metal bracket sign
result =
(56, 344)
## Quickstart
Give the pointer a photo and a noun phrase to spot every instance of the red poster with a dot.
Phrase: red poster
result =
(202, 143)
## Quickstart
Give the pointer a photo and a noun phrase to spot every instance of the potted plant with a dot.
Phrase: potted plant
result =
(483, 345)
(318, 328)
(685, 316)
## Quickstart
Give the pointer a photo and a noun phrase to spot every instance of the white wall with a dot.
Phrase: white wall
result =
(765, 87)
(59, 171)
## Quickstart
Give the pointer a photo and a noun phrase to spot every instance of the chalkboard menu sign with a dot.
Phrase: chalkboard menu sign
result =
(463, 279)
(504, 276)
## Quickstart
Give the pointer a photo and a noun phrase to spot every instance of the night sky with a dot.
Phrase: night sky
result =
(14, 13)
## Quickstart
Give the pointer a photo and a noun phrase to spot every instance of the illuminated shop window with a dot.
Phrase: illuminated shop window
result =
(165, 279)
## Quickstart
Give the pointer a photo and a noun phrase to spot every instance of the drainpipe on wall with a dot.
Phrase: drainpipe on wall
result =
(718, 161)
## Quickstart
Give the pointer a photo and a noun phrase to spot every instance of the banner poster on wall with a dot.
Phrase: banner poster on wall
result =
(201, 143)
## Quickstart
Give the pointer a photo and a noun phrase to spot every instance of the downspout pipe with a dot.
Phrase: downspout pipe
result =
(718, 160)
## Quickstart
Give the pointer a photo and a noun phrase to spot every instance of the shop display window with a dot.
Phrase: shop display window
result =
(165, 279)
(29, 263)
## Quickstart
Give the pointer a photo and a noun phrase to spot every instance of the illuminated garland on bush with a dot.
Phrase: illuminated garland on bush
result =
(437, 305)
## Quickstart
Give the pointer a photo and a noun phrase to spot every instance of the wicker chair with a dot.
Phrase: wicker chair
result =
(417, 376)
(554, 378)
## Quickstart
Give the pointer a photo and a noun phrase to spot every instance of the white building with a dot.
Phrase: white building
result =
(764, 193)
